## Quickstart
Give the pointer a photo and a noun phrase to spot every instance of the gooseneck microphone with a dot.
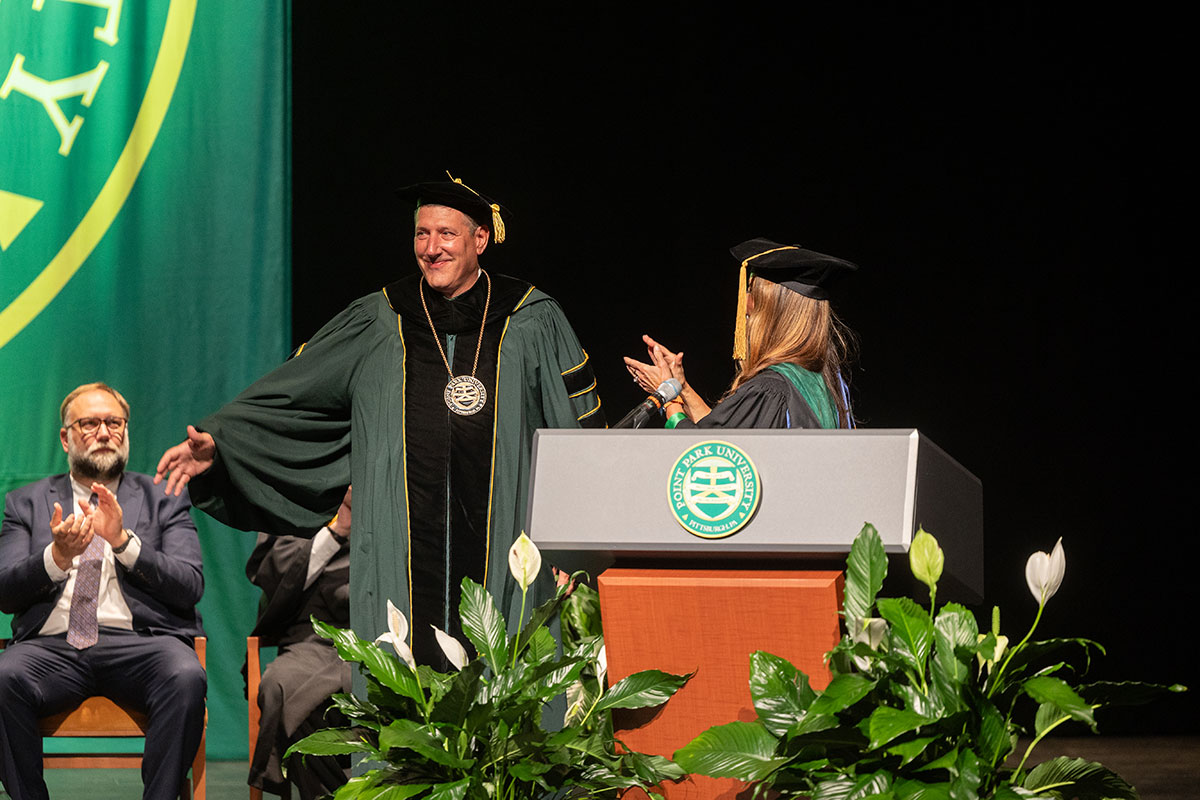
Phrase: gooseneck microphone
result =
(667, 391)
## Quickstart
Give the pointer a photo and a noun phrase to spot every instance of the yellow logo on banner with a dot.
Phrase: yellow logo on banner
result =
(23, 85)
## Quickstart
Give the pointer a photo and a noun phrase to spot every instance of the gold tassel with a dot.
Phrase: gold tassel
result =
(497, 222)
(739, 326)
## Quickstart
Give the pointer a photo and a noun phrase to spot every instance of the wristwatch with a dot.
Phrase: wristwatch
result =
(130, 536)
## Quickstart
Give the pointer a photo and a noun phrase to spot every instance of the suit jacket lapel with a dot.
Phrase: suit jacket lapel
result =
(131, 498)
(60, 492)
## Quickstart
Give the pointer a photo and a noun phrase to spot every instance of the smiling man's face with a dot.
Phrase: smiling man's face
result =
(447, 245)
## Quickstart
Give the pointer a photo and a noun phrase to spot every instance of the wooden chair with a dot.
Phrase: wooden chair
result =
(253, 677)
(101, 717)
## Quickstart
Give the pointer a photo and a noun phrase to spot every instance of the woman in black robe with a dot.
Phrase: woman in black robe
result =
(789, 346)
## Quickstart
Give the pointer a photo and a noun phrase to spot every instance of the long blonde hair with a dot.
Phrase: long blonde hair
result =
(785, 326)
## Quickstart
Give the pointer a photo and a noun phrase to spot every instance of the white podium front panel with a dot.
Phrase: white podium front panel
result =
(620, 494)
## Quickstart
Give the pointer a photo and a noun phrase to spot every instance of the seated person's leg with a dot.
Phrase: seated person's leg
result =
(161, 676)
(38, 677)
(294, 697)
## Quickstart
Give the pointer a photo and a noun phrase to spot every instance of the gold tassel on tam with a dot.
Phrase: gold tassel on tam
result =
(739, 326)
(497, 222)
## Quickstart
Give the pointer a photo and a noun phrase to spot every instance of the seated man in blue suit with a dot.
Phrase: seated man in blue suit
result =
(102, 575)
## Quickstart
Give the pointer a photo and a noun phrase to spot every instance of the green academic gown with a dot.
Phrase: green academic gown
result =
(436, 496)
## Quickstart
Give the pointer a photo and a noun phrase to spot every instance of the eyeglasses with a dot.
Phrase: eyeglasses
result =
(90, 426)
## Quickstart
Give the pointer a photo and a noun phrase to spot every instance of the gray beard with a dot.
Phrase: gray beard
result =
(103, 467)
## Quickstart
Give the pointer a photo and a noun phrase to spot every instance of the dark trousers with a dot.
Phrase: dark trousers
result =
(157, 675)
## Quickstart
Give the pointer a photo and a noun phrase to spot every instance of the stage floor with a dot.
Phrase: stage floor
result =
(1160, 767)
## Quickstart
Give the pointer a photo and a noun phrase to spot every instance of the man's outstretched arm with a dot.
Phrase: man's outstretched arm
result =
(186, 460)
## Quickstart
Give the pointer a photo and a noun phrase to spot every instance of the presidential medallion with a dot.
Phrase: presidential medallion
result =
(465, 395)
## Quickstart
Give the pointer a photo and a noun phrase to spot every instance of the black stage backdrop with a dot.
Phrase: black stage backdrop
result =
(1009, 179)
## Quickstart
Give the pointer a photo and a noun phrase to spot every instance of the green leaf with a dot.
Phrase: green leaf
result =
(483, 624)
(450, 791)
(920, 790)
(580, 615)
(541, 646)
(650, 687)
(886, 723)
(393, 791)
(1125, 693)
(911, 633)
(351, 788)
(780, 692)
(1048, 716)
(1085, 779)
(1031, 653)
(354, 708)
(407, 734)
(866, 567)
(387, 669)
(994, 741)
(908, 750)
(965, 784)
(842, 692)
(652, 769)
(1045, 689)
(537, 620)
(331, 742)
(552, 678)
(955, 634)
(813, 723)
(742, 750)
(456, 703)
(863, 787)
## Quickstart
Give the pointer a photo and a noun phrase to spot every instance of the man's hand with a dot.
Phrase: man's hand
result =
(186, 460)
(341, 522)
(71, 535)
(108, 519)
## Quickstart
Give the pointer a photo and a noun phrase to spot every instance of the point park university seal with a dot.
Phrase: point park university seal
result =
(713, 489)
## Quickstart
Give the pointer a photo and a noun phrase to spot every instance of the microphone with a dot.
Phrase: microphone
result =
(667, 391)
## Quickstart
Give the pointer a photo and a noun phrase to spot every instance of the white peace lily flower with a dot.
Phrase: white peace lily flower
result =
(602, 663)
(397, 635)
(1044, 573)
(456, 654)
(1001, 646)
(524, 561)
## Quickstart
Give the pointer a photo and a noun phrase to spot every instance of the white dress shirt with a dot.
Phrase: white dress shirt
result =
(111, 609)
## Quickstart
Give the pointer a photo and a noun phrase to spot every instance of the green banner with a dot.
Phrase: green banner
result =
(144, 242)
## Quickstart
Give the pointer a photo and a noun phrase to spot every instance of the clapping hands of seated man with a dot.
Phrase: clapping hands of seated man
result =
(73, 534)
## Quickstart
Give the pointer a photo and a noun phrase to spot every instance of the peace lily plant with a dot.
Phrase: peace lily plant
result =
(919, 707)
(477, 733)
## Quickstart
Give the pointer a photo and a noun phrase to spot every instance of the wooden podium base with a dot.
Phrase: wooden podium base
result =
(709, 622)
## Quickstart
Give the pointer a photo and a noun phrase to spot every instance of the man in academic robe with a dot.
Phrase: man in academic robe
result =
(301, 578)
(102, 574)
(425, 396)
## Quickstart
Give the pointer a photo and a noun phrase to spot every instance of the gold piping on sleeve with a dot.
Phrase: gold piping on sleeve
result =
(583, 391)
(565, 373)
(593, 411)
(522, 300)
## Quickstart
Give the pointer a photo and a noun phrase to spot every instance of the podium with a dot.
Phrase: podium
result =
(717, 543)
